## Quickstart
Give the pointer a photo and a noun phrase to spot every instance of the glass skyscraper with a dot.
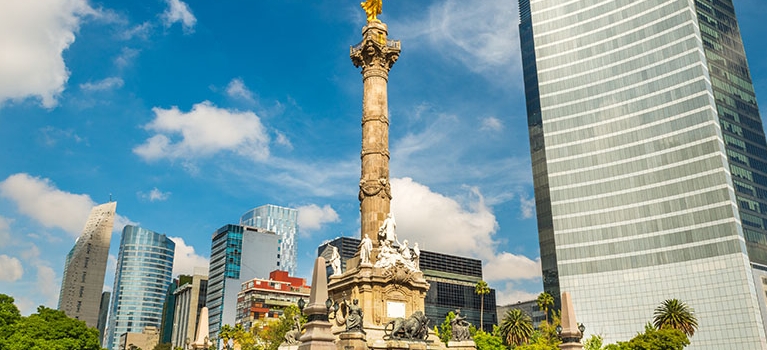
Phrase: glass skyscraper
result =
(282, 221)
(238, 254)
(649, 163)
(144, 268)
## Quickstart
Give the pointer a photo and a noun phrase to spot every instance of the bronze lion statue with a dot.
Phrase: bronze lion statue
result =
(415, 327)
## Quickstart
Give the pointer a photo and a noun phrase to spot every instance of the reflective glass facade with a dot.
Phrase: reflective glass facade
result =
(238, 253)
(282, 221)
(144, 268)
(635, 179)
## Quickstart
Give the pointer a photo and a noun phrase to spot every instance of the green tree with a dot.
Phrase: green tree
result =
(445, 329)
(482, 289)
(9, 313)
(49, 329)
(594, 342)
(225, 333)
(675, 314)
(654, 339)
(273, 333)
(545, 301)
(545, 337)
(489, 341)
(516, 327)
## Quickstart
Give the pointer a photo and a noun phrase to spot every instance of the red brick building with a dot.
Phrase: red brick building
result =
(263, 300)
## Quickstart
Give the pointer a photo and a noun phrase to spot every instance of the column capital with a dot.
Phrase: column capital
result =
(375, 51)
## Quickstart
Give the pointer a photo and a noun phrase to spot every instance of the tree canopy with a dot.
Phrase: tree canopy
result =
(675, 314)
(654, 339)
(516, 327)
(47, 329)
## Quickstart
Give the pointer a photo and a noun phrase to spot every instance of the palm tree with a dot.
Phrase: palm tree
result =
(481, 288)
(675, 314)
(545, 301)
(516, 327)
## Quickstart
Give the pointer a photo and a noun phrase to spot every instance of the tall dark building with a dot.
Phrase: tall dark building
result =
(451, 278)
(649, 163)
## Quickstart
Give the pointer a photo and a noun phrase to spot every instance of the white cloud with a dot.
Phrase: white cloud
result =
(139, 31)
(237, 89)
(5, 231)
(204, 131)
(104, 84)
(481, 34)
(527, 207)
(46, 283)
(155, 195)
(10, 269)
(110, 272)
(39, 199)
(33, 35)
(506, 266)
(492, 124)
(511, 294)
(185, 259)
(126, 57)
(440, 223)
(283, 140)
(178, 11)
(51, 136)
(312, 217)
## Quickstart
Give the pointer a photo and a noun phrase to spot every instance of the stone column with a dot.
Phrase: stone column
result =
(376, 55)
(318, 335)
(571, 334)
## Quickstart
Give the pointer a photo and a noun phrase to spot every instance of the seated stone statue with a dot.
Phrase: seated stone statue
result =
(354, 317)
(460, 327)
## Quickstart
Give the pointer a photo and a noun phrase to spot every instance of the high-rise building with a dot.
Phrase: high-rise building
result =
(238, 253)
(263, 300)
(85, 266)
(189, 301)
(649, 163)
(103, 313)
(452, 280)
(144, 268)
(282, 221)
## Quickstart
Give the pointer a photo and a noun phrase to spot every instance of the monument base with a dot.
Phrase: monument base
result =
(351, 341)
(288, 347)
(461, 345)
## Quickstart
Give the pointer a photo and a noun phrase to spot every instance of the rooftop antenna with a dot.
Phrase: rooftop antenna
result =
(110, 197)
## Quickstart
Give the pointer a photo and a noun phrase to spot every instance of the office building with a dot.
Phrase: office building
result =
(238, 253)
(103, 313)
(144, 268)
(148, 338)
(189, 299)
(86, 265)
(648, 160)
(452, 280)
(282, 221)
(262, 300)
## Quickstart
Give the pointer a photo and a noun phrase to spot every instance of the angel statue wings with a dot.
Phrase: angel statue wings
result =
(372, 9)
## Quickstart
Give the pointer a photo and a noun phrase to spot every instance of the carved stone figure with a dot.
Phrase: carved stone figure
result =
(366, 247)
(387, 232)
(335, 262)
(416, 256)
(460, 327)
(404, 250)
(354, 317)
(292, 336)
(415, 327)
(372, 9)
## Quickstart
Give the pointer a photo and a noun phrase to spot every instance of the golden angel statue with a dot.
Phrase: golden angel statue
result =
(372, 9)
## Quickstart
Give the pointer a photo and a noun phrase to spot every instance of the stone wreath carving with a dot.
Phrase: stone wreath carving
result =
(373, 188)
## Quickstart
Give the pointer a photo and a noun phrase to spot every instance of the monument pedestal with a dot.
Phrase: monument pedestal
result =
(462, 345)
(352, 341)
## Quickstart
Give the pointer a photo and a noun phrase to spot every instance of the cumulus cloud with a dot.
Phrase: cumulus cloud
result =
(10, 269)
(104, 84)
(138, 31)
(46, 282)
(39, 199)
(510, 293)
(312, 217)
(202, 132)
(442, 224)
(237, 89)
(186, 259)
(179, 11)
(155, 195)
(110, 272)
(33, 35)
(126, 57)
(481, 34)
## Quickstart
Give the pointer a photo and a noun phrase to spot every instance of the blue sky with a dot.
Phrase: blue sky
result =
(190, 113)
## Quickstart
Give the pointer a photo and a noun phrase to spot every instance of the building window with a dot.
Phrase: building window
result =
(83, 277)
(82, 288)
